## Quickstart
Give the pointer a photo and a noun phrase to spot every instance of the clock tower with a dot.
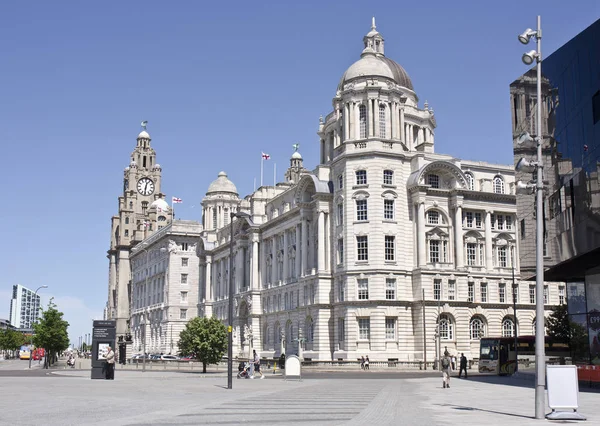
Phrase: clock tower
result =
(142, 210)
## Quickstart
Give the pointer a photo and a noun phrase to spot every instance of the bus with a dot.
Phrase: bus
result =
(25, 352)
(497, 354)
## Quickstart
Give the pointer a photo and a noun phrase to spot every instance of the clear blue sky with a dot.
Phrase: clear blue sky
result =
(218, 83)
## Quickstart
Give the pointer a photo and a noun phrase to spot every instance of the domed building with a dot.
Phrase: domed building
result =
(380, 249)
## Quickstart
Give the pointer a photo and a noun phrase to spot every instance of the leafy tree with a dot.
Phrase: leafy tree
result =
(563, 330)
(11, 340)
(51, 333)
(206, 339)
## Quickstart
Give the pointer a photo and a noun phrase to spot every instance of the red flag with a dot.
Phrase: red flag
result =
(176, 200)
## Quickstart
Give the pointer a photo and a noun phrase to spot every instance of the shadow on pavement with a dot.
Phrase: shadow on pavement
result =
(462, 407)
(522, 380)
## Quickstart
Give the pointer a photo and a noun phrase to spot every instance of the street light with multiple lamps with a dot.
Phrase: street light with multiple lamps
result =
(537, 185)
(31, 345)
(147, 310)
(232, 216)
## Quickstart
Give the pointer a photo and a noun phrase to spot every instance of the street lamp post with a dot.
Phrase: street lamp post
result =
(33, 301)
(232, 216)
(514, 296)
(540, 360)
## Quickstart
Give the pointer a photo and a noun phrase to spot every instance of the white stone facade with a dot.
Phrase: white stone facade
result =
(164, 287)
(349, 259)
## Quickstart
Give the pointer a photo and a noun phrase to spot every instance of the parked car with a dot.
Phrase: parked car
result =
(169, 358)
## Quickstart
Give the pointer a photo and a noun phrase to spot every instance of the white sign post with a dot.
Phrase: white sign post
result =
(563, 392)
(293, 368)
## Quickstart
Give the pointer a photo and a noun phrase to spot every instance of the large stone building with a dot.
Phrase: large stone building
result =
(379, 246)
(141, 211)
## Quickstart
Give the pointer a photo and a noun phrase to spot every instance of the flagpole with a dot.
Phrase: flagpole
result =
(173, 210)
(254, 185)
(261, 170)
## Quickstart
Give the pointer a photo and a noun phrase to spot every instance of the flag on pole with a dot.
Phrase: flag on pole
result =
(147, 223)
(265, 156)
(176, 200)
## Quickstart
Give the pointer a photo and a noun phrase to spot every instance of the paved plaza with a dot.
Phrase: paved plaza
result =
(69, 397)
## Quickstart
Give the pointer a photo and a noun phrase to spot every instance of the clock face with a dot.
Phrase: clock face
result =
(145, 186)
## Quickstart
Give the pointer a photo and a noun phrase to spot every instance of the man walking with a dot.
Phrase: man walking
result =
(446, 371)
(257, 365)
(110, 364)
(463, 365)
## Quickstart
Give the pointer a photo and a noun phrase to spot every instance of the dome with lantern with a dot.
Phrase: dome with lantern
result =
(221, 184)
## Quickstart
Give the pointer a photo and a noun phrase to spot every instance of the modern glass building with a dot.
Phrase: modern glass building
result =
(24, 307)
(571, 151)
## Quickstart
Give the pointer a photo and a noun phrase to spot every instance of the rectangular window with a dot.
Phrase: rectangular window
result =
(390, 248)
(502, 293)
(434, 251)
(468, 219)
(184, 246)
(484, 292)
(502, 258)
(361, 177)
(364, 328)
(437, 289)
(500, 222)
(522, 229)
(388, 209)
(341, 330)
(363, 289)
(184, 261)
(183, 314)
(532, 294)
(433, 181)
(508, 222)
(340, 214)
(546, 295)
(361, 210)
(388, 177)
(471, 292)
(561, 295)
(390, 328)
(478, 222)
(342, 287)
(184, 278)
(493, 220)
(451, 290)
(390, 289)
(471, 254)
(341, 181)
(515, 290)
(340, 251)
(362, 248)
(184, 297)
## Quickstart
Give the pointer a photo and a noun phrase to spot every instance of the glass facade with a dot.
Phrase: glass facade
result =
(571, 158)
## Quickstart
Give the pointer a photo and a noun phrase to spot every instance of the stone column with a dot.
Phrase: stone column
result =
(321, 242)
(285, 257)
(208, 290)
(422, 254)
(346, 121)
(254, 283)
(376, 115)
(356, 121)
(488, 240)
(393, 120)
(274, 262)
(402, 130)
(304, 245)
(458, 236)
(298, 251)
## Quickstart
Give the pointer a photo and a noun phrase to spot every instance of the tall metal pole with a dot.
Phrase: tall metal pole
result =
(34, 319)
(424, 335)
(147, 272)
(540, 357)
(514, 297)
(230, 315)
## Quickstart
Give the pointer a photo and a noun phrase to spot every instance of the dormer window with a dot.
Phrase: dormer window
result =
(498, 185)
(433, 180)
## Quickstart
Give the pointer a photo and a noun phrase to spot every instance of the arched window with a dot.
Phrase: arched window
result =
(498, 185)
(126, 221)
(477, 328)
(508, 327)
(382, 122)
(446, 327)
(470, 181)
(362, 112)
(162, 218)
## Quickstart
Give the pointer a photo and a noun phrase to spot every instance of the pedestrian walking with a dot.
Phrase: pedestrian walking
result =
(367, 362)
(446, 365)
(362, 362)
(257, 365)
(453, 359)
(110, 364)
(463, 365)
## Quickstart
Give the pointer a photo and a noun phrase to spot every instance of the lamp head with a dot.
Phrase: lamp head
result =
(524, 188)
(524, 165)
(44, 286)
(524, 138)
(526, 35)
(529, 57)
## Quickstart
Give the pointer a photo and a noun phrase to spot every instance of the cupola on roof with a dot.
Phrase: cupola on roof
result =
(222, 184)
(160, 204)
(143, 135)
(373, 63)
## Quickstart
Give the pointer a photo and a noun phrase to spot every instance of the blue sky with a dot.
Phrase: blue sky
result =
(218, 83)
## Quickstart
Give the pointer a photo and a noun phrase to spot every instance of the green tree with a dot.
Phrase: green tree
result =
(206, 339)
(51, 333)
(11, 340)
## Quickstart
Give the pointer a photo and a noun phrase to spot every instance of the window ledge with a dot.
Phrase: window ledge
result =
(365, 185)
(361, 262)
(356, 222)
(390, 262)
(385, 185)
(393, 221)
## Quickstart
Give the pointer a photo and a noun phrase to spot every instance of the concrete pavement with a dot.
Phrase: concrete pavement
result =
(172, 398)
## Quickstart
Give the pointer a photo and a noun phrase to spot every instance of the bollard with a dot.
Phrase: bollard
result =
(274, 366)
